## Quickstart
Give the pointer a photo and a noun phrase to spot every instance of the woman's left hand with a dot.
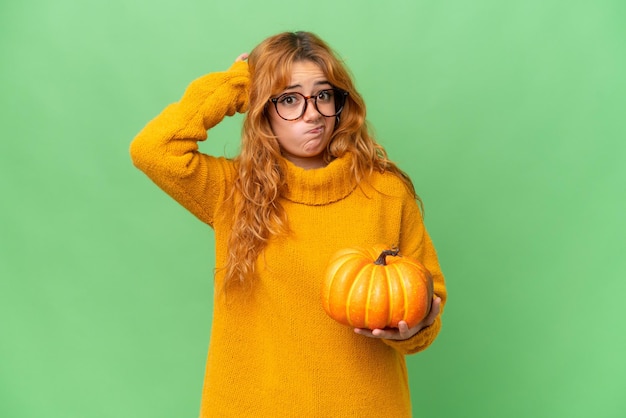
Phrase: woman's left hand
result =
(403, 332)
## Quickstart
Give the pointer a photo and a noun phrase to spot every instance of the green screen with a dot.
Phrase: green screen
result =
(508, 115)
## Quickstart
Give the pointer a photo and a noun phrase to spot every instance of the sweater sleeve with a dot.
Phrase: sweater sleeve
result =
(166, 149)
(417, 243)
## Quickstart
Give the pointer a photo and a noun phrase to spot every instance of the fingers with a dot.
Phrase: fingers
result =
(375, 333)
(403, 331)
(242, 57)
(364, 332)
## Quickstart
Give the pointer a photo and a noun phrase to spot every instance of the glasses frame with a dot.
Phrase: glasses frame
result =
(338, 93)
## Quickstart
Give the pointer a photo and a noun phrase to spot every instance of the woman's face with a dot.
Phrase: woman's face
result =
(304, 140)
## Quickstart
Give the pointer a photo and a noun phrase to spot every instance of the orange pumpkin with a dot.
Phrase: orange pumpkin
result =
(376, 288)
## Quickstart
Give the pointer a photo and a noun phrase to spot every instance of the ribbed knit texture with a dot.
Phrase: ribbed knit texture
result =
(274, 352)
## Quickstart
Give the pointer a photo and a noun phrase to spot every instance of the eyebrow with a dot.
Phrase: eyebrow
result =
(317, 83)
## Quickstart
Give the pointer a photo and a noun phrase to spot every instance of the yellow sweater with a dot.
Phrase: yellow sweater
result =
(275, 352)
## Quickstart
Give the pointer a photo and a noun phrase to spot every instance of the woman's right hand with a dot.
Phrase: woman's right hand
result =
(243, 107)
(242, 57)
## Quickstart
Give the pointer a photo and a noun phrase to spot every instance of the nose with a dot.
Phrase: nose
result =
(310, 112)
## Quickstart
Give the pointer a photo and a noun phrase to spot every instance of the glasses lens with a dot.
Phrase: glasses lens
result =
(325, 102)
(290, 105)
(328, 103)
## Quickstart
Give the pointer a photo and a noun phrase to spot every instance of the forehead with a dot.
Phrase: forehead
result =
(306, 74)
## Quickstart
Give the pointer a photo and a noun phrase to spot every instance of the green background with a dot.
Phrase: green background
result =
(508, 115)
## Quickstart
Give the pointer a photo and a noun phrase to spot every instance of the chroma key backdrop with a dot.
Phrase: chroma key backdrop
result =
(508, 116)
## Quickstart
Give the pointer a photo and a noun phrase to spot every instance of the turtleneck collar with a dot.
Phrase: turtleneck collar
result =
(320, 186)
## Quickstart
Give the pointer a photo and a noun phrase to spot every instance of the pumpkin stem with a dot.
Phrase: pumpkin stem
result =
(381, 260)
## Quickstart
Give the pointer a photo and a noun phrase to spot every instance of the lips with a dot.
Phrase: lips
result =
(317, 130)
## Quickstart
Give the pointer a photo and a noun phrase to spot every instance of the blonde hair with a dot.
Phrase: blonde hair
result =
(261, 181)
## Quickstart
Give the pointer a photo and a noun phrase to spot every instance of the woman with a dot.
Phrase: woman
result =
(309, 180)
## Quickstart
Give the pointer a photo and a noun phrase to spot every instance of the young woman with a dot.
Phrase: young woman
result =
(309, 180)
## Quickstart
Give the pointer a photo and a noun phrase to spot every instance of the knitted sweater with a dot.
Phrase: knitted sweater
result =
(273, 351)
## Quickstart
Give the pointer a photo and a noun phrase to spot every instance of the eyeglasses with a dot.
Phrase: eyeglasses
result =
(328, 102)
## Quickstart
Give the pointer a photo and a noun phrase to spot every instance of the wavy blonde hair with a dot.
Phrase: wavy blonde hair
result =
(261, 181)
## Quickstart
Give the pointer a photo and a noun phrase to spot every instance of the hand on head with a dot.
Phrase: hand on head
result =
(242, 57)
